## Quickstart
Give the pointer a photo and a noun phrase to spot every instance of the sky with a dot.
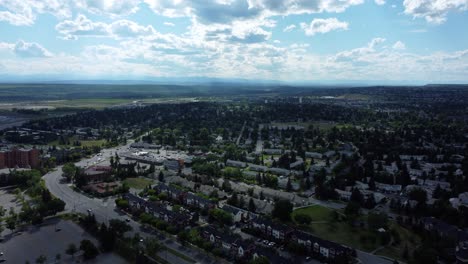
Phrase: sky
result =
(388, 41)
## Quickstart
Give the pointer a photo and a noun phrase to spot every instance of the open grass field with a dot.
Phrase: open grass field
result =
(138, 183)
(87, 103)
(84, 143)
(316, 212)
(396, 250)
(324, 226)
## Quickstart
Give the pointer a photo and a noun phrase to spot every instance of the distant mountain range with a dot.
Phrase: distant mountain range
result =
(56, 79)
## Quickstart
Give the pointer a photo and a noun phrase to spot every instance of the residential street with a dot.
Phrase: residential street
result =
(104, 210)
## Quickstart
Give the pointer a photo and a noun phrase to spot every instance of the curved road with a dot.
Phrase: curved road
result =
(104, 210)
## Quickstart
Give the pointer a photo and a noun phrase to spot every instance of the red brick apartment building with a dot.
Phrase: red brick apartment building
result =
(22, 158)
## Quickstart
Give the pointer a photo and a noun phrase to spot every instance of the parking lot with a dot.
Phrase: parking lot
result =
(34, 241)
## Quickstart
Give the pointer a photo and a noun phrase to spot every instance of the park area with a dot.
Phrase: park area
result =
(138, 183)
(332, 225)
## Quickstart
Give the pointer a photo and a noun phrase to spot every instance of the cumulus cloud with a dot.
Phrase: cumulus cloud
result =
(320, 25)
(353, 54)
(6, 46)
(109, 7)
(127, 28)
(84, 27)
(289, 28)
(252, 36)
(16, 18)
(227, 11)
(399, 45)
(30, 50)
(380, 2)
(24, 12)
(169, 24)
(434, 11)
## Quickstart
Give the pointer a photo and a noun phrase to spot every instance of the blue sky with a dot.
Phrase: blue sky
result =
(388, 41)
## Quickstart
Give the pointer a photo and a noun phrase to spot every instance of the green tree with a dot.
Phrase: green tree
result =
(11, 223)
(152, 247)
(352, 210)
(233, 200)
(377, 220)
(221, 216)
(303, 219)
(90, 251)
(252, 206)
(161, 176)
(282, 210)
(41, 259)
(183, 236)
(288, 185)
(71, 250)
(418, 195)
(119, 227)
(260, 260)
(69, 171)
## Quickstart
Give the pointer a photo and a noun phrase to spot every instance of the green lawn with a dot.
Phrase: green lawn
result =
(316, 212)
(95, 103)
(92, 143)
(395, 251)
(84, 143)
(138, 183)
(342, 232)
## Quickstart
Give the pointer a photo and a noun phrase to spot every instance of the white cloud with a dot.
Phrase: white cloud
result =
(289, 28)
(320, 25)
(16, 19)
(171, 55)
(84, 27)
(127, 28)
(380, 2)
(24, 12)
(434, 11)
(109, 7)
(227, 11)
(30, 50)
(169, 24)
(6, 46)
(422, 30)
(399, 46)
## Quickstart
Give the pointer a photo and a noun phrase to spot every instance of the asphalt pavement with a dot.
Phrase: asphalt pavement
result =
(104, 209)
(46, 240)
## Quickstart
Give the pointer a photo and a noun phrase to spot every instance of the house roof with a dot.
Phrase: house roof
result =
(272, 224)
(445, 229)
(133, 198)
(198, 198)
(167, 188)
(322, 242)
(232, 209)
(236, 163)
